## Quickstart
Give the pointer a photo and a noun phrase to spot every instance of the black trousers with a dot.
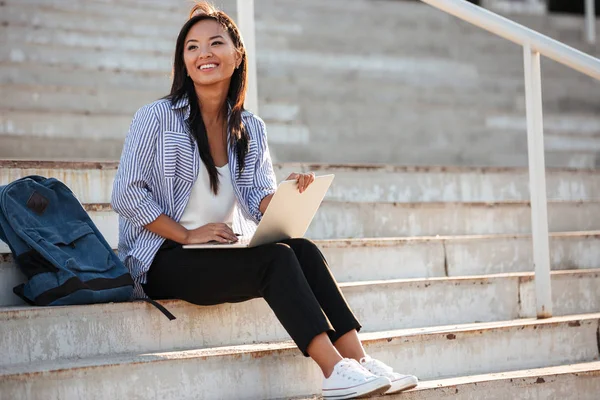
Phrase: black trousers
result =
(292, 276)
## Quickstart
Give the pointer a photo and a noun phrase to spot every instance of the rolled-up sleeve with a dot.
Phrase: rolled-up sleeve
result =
(132, 189)
(265, 182)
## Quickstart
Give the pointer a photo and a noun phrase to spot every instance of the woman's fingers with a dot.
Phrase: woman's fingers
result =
(224, 232)
(310, 179)
(303, 180)
(301, 183)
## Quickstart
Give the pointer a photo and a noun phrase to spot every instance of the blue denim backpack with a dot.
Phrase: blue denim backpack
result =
(57, 246)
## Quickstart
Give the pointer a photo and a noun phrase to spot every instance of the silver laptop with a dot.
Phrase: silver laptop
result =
(288, 216)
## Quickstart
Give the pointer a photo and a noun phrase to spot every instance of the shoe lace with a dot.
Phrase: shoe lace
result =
(378, 368)
(354, 371)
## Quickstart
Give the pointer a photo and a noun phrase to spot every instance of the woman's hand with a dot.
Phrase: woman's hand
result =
(217, 232)
(304, 180)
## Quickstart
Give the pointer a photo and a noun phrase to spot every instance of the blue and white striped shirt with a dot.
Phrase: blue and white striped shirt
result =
(159, 165)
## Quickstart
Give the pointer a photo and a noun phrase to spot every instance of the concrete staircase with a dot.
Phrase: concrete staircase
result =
(420, 88)
(457, 310)
(435, 261)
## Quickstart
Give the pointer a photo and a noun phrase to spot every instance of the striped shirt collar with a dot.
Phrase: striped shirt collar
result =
(183, 102)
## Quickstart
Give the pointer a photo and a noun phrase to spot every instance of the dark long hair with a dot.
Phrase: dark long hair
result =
(183, 86)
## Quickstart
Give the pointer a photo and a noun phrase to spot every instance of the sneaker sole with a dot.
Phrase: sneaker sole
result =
(376, 386)
(403, 384)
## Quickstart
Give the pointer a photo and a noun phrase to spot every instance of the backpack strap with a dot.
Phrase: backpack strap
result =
(160, 307)
(18, 290)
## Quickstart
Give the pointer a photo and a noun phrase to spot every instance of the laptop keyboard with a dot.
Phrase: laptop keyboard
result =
(244, 241)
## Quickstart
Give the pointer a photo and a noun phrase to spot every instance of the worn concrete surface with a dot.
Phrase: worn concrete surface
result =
(92, 181)
(89, 331)
(538, 383)
(347, 220)
(354, 220)
(403, 258)
(430, 89)
(257, 373)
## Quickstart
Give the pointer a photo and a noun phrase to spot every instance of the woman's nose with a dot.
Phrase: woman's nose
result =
(204, 53)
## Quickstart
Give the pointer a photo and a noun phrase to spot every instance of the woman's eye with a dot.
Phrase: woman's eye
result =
(216, 43)
(192, 47)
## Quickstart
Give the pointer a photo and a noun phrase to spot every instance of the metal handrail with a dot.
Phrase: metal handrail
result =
(534, 44)
(520, 34)
(590, 21)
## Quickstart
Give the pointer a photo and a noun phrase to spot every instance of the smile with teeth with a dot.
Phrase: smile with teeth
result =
(208, 66)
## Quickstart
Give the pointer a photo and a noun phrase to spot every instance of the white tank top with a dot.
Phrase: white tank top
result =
(203, 206)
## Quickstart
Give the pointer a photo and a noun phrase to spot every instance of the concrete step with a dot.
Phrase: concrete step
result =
(35, 334)
(149, 5)
(92, 181)
(421, 70)
(54, 101)
(369, 152)
(536, 383)
(49, 148)
(174, 14)
(474, 49)
(429, 257)
(275, 83)
(356, 220)
(98, 59)
(58, 149)
(446, 133)
(429, 353)
(96, 126)
(76, 100)
(22, 32)
(87, 22)
(66, 39)
(397, 17)
(64, 125)
(24, 96)
(430, 71)
(573, 126)
(337, 220)
(65, 75)
(158, 5)
(106, 101)
(100, 137)
(570, 143)
(572, 93)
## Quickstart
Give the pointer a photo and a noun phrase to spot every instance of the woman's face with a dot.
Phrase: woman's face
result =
(209, 54)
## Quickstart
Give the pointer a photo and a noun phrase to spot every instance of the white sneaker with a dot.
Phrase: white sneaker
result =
(349, 380)
(399, 382)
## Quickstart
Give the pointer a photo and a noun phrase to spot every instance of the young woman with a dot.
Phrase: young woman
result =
(195, 164)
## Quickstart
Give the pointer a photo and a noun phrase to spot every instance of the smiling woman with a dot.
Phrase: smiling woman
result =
(196, 168)
(210, 53)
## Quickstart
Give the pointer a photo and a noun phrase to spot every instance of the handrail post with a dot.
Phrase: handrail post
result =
(245, 17)
(590, 21)
(537, 182)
